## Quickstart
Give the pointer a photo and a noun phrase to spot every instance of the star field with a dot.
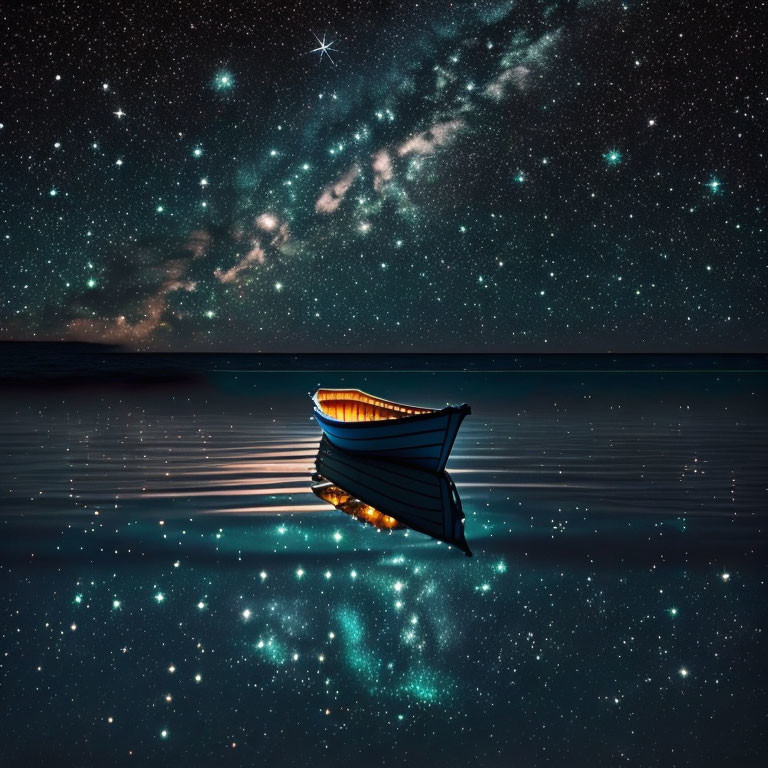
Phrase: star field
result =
(492, 176)
(174, 592)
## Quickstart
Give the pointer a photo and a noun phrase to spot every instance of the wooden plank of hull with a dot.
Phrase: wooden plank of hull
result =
(418, 499)
(425, 440)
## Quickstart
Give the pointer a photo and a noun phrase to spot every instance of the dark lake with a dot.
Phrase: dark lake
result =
(174, 592)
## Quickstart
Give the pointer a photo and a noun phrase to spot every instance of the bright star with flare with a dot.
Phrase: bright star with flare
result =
(323, 49)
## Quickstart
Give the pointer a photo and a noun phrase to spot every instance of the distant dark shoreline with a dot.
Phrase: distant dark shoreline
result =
(95, 348)
(51, 365)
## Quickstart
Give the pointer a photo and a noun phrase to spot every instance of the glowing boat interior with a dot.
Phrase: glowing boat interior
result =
(355, 405)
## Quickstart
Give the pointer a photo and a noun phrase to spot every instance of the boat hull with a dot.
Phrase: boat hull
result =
(424, 501)
(424, 440)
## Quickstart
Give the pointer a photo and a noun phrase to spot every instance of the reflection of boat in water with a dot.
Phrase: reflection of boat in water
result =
(389, 495)
(346, 502)
(363, 424)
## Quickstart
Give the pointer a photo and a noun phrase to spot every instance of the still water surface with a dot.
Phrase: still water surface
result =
(174, 590)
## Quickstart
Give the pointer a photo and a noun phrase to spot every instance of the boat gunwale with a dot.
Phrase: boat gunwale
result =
(432, 412)
(379, 400)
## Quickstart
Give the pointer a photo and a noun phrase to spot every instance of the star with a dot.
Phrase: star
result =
(119, 113)
(223, 81)
(323, 48)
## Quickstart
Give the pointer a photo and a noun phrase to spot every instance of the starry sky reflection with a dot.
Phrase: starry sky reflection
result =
(175, 592)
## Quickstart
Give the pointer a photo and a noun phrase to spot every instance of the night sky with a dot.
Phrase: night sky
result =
(491, 176)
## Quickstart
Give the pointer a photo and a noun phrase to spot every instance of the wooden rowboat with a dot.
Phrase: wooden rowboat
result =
(388, 495)
(361, 423)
